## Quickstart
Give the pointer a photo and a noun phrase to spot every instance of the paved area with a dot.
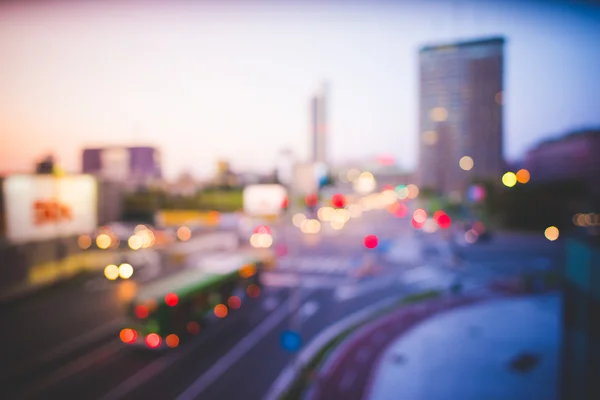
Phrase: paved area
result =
(502, 349)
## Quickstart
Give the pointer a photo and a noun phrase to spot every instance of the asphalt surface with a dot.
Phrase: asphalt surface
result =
(64, 342)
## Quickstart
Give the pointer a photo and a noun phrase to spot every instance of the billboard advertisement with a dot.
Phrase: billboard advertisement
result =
(39, 207)
(263, 200)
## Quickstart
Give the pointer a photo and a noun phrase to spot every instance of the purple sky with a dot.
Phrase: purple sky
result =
(204, 81)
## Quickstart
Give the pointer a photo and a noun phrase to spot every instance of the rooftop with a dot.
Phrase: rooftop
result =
(477, 42)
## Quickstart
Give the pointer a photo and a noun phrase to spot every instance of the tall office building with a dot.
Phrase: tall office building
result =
(460, 113)
(318, 108)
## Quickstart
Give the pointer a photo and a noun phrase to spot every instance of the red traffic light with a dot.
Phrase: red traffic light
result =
(338, 200)
(311, 200)
(371, 241)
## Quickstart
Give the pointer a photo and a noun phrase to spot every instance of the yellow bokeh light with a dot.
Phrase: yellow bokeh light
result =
(84, 242)
(103, 241)
(325, 213)
(135, 242)
(125, 271)
(430, 138)
(439, 114)
(111, 272)
(523, 176)
(353, 174)
(337, 224)
(509, 179)
(297, 219)
(466, 163)
(551, 233)
(184, 233)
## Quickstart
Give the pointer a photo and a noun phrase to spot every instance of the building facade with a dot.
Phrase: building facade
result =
(573, 157)
(135, 165)
(319, 126)
(460, 113)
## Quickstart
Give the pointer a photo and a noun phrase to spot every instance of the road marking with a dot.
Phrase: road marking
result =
(70, 346)
(308, 309)
(233, 356)
(348, 292)
(347, 380)
(80, 364)
(288, 374)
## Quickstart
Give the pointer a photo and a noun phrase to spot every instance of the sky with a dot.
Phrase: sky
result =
(232, 80)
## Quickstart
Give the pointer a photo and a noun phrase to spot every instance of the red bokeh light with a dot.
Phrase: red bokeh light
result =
(444, 221)
(479, 228)
(338, 200)
(171, 299)
(253, 291)
(311, 200)
(438, 214)
(220, 311)
(281, 250)
(234, 302)
(388, 187)
(141, 311)
(153, 340)
(417, 224)
(399, 210)
(420, 216)
(263, 229)
(193, 327)
(371, 241)
(285, 202)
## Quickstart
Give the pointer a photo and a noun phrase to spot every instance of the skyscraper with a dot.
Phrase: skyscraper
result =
(460, 113)
(319, 126)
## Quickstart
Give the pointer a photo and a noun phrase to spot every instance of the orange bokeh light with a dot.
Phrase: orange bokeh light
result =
(220, 311)
(523, 176)
(172, 340)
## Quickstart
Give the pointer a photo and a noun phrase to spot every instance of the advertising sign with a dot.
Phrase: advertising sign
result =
(41, 207)
(263, 200)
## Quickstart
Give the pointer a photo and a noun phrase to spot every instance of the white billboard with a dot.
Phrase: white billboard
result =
(39, 207)
(263, 200)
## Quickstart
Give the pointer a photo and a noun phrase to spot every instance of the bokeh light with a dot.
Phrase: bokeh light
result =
(234, 302)
(325, 213)
(471, 236)
(193, 328)
(371, 241)
(135, 242)
(220, 310)
(128, 335)
(509, 179)
(111, 272)
(141, 311)
(297, 219)
(402, 192)
(172, 340)
(430, 226)
(444, 221)
(153, 340)
(466, 163)
(311, 200)
(551, 233)
(310, 226)
(247, 271)
(355, 210)
(353, 174)
(420, 216)
(184, 233)
(430, 138)
(125, 271)
(523, 176)
(338, 200)
(103, 241)
(171, 299)
(413, 191)
(365, 183)
(438, 114)
(253, 291)
(84, 242)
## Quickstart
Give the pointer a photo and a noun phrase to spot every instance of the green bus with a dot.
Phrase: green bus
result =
(183, 304)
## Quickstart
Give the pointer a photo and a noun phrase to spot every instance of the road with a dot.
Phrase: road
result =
(64, 342)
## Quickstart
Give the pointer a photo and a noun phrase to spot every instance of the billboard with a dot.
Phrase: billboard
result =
(263, 200)
(39, 207)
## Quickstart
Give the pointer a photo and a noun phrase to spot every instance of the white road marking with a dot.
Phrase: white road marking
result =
(348, 292)
(233, 356)
(308, 309)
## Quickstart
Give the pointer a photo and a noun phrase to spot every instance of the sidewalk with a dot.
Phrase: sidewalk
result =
(485, 346)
